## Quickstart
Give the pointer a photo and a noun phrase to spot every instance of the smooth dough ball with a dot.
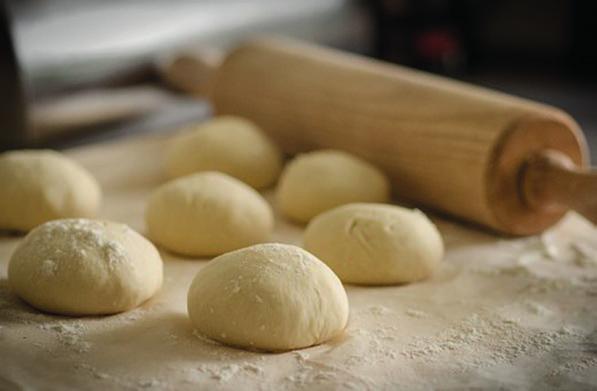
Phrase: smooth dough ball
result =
(232, 145)
(42, 185)
(317, 181)
(269, 297)
(375, 243)
(85, 267)
(207, 214)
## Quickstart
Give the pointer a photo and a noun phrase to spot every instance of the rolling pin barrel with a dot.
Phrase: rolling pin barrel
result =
(446, 145)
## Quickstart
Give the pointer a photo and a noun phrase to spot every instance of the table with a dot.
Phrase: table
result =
(515, 313)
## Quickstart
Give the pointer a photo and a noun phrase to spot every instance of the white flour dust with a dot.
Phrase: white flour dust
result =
(522, 307)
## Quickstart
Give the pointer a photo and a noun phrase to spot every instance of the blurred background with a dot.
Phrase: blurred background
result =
(80, 71)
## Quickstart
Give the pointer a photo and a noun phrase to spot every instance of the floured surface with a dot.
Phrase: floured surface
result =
(513, 313)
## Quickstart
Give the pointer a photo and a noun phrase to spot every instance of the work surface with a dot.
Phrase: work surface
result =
(510, 313)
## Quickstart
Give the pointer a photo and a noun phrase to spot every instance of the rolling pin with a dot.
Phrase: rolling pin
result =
(507, 163)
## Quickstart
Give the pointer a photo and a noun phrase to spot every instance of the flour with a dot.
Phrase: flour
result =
(483, 340)
(586, 254)
(537, 309)
(544, 286)
(70, 334)
(90, 369)
(510, 314)
(580, 251)
(311, 372)
(150, 383)
(87, 235)
(257, 370)
(13, 310)
(379, 310)
(48, 268)
(204, 339)
(416, 313)
(224, 373)
(575, 365)
(132, 315)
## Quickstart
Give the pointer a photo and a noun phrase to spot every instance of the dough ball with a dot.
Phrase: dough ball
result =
(207, 214)
(317, 181)
(85, 267)
(41, 185)
(232, 145)
(375, 243)
(269, 297)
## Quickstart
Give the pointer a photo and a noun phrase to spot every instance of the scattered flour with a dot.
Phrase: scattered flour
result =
(70, 334)
(575, 365)
(253, 368)
(312, 372)
(225, 372)
(416, 313)
(477, 337)
(379, 310)
(152, 383)
(537, 309)
(484, 340)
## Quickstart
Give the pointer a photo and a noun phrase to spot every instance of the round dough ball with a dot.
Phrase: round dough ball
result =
(42, 185)
(85, 267)
(317, 181)
(375, 243)
(270, 297)
(207, 214)
(232, 145)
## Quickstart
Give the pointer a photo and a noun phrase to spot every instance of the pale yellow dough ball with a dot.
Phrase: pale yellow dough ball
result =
(85, 267)
(41, 185)
(207, 214)
(269, 296)
(375, 243)
(318, 181)
(232, 145)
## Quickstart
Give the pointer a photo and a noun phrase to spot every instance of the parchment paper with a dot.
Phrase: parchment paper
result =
(501, 313)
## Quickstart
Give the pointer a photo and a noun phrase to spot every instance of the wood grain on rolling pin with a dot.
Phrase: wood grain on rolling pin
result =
(445, 144)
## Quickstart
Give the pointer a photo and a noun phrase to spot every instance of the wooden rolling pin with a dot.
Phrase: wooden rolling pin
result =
(507, 163)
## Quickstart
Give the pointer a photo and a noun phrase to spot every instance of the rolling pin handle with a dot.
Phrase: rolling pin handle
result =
(192, 71)
(551, 181)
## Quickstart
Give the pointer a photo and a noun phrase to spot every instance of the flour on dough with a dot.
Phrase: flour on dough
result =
(269, 296)
(85, 267)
